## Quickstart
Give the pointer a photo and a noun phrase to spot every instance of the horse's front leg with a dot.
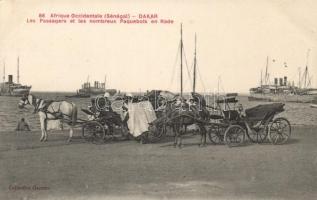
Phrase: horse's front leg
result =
(71, 131)
(43, 127)
(42, 135)
(175, 135)
(203, 136)
(45, 130)
(182, 131)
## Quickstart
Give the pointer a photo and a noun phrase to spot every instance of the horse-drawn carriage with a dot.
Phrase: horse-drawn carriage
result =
(102, 121)
(230, 125)
(97, 128)
(129, 113)
(257, 124)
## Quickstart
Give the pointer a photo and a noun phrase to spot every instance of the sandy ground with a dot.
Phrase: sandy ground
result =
(128, 170)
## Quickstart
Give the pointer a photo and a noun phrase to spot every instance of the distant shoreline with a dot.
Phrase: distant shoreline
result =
(72, 92)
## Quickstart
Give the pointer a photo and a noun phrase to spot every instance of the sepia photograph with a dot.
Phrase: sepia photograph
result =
(196, 99)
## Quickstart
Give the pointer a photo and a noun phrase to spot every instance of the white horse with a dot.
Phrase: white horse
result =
(51, 110)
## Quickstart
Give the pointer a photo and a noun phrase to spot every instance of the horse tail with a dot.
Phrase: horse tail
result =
(74, 115)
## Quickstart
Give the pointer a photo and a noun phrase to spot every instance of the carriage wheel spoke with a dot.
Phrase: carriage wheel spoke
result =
(277, 137)
(234, 135)
(283, 125)
(285, 134)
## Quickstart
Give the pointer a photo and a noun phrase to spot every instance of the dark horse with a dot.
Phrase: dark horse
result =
(179, 115)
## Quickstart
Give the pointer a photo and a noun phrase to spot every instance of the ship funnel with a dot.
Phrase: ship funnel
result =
(275, 81)
(285, 80)
(281, 81)
(10, 78)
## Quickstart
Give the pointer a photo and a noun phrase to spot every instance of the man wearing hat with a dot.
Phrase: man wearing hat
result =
(128, 99)
(107, 101)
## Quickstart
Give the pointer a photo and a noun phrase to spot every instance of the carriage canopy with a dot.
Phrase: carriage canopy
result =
(261, 112)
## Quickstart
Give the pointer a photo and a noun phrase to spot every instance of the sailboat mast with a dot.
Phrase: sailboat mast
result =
(105, 80)
(299, 78)
(261, 80)
(306, 75)
(18, 73)
(4, 72)
(181, 60)
(194, 82)
(218, 86)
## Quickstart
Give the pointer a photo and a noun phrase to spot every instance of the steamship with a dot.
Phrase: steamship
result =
(88, 90)
(283, 90)
(9, 88)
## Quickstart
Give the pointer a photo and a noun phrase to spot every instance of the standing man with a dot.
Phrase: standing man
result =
(107, 102)
(22, 126)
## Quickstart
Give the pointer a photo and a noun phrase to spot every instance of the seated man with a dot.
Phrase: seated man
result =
(22, 126)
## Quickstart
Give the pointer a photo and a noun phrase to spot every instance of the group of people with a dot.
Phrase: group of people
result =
(130, 113)
(101, 107)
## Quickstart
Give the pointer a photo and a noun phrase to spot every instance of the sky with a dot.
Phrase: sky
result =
(234, 37)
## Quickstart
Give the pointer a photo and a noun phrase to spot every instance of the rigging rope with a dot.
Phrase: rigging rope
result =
(201, 79)
(187, 66)
(190, 72)
(221, 85)
(174, 66)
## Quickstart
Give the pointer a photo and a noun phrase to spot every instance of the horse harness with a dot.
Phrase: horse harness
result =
(41, 105)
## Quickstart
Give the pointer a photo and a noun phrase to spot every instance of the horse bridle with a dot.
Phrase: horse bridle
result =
(25, 101)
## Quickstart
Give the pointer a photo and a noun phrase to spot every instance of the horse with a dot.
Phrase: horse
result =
(51, 110)
(183, 116)
(178, 115)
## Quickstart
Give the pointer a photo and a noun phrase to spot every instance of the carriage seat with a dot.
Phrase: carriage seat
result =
(227, 100)
(88, 112)
(212, 116)
(231, 114)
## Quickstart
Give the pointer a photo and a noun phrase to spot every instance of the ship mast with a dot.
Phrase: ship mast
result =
(18, 73)
(105, 81)
(181, 60)
(306, 75)
(4, 72)
(299, 79)
(194, 82)
(261, 80)
(218, 86)
(266, 71)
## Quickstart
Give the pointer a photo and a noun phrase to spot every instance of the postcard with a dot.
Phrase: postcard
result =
(158, 99)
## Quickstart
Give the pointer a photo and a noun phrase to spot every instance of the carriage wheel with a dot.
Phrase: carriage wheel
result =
(216, 134)
(258, 136)
(234, 136)
(94, 132)
(279, 131)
